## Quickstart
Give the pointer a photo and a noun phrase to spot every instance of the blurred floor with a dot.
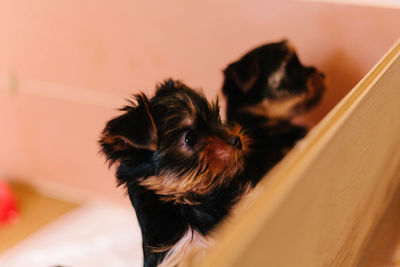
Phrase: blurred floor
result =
(52, 231)
(55, 232)
(36, 210)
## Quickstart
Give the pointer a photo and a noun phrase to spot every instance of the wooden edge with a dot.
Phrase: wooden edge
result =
(279, 182)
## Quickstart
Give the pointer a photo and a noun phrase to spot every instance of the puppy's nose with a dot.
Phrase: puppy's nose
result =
(235, 141)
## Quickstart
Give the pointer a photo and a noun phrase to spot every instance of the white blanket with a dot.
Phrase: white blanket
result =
(94, 235)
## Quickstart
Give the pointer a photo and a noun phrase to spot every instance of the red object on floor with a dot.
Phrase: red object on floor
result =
(8, 205)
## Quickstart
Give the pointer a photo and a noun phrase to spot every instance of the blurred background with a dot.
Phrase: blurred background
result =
(66, 66)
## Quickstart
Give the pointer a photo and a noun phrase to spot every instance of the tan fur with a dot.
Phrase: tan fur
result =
(218, 164)
(122, 143)
(315, 84)
(153, 132)
(290, 46)
(274, 80)
(276, 109)
(245, 86)
(180, 188)
(288, 107)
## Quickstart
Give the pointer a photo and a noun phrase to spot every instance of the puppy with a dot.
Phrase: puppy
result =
(181, 166)
(184, 169)
(264, 90)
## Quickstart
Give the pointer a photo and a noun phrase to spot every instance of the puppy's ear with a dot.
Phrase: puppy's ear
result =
(132, 131)
(244, 73)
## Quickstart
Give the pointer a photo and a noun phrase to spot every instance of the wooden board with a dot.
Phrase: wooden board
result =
(319, 206)
(383, 248)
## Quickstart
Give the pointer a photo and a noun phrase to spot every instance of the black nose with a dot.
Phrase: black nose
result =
(234, 140)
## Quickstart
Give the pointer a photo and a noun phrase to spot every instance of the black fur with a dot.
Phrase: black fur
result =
(177, 132)
(163, 222)
(248, 83)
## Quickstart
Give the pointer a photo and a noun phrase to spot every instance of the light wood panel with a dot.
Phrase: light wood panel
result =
(383, 248)
(319, 206)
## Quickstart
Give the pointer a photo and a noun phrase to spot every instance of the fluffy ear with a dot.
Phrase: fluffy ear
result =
(132, 131)
(244, 73)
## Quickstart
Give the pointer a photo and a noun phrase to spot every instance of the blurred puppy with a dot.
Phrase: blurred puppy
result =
(264, 90)
(181, 166)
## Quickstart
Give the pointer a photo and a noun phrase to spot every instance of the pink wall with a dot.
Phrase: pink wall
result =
(75, 64)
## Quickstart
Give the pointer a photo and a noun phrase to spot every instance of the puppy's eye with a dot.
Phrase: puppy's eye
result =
(190, 138)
